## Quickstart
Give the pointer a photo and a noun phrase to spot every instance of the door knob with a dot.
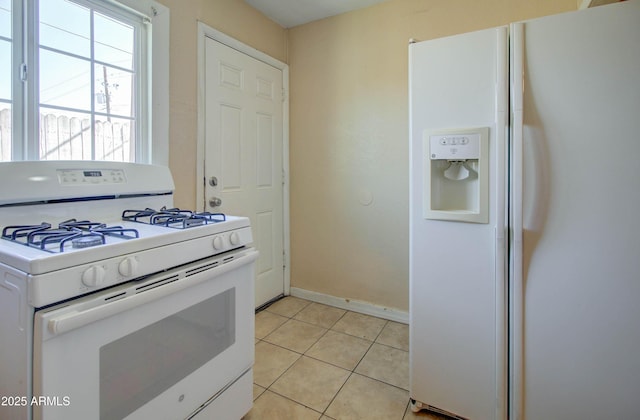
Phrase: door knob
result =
(215, 202)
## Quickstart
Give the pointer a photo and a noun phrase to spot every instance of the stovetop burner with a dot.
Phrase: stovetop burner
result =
(78, 234)
(173, 217)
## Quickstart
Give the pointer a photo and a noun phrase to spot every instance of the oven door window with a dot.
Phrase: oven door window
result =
(140, 366)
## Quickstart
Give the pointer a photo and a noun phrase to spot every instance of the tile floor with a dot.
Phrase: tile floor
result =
(319, 362)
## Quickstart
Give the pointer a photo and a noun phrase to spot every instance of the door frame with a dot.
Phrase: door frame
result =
(205, 31)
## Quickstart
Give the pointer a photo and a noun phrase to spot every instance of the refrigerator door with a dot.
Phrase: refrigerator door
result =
(576, 285)
(457, 268)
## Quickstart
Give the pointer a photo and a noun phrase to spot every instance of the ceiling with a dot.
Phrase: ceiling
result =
(290, 13)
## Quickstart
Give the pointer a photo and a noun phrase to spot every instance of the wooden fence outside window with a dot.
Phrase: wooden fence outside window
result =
(70, 138)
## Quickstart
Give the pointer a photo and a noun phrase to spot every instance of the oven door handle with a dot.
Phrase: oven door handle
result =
(77, 318)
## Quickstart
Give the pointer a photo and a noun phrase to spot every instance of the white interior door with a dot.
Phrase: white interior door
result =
(243, 153)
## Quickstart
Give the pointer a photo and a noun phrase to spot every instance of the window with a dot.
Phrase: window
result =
(89, 65)
(83, 77)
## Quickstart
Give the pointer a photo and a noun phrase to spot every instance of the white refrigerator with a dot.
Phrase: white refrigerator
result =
(525, 219)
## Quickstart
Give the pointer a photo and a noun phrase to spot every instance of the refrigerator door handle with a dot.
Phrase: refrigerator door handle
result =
(501, 226)
(516, 287)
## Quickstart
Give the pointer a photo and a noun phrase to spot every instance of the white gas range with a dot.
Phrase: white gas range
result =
(113, 303)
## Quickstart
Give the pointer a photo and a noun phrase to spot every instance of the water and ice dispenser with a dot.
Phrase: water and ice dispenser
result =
(456, 171)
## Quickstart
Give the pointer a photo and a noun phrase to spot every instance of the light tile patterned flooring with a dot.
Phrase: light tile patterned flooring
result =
(315, 361)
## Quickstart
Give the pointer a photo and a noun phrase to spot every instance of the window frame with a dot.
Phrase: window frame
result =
(152, 64)
(18, 108)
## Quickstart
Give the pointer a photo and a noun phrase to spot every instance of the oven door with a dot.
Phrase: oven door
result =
(158, 347)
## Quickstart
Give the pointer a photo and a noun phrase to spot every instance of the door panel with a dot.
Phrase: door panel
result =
(264, 227)
(230, 135)
(243, 150)
(264, 169)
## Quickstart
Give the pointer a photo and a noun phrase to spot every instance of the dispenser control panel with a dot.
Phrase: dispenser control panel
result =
(455, 146)
(456, 174)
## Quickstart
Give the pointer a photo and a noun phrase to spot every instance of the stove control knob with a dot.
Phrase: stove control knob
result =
(218, 243)
(234, 238)
(93, 276)
(128, 267)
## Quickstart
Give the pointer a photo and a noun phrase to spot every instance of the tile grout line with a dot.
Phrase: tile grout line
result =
(304, 354)
(293, 401)
(324, 412)
(352, 371)
(268, 388)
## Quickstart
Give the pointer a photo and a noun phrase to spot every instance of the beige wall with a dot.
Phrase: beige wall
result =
(233, 17)
(349, 139)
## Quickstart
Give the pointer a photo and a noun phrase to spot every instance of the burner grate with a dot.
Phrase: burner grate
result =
(174, 217)
(78, 234)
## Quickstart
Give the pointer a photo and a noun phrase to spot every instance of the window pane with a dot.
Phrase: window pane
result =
(65, 26)
(5, 80)
(113, 139)
(5, 132)
(64, 81)
(114, 91)
(5, 18)
(88, 80)
(64, 135)
(113, 42)
(5, 70)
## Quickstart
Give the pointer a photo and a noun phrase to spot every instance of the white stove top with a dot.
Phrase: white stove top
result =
(51, 192)
(34, 261)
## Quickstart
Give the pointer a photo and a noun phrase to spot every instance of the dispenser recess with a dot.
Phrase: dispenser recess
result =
(456, 174)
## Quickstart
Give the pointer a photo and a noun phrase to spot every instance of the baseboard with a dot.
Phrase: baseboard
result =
(352, 305)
